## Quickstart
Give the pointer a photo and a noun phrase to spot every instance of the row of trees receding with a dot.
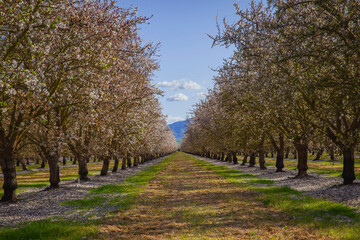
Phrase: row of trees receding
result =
(75, 81)
(293, 81)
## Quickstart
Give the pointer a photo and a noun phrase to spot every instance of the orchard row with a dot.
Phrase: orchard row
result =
(75, 82)
(293, 82)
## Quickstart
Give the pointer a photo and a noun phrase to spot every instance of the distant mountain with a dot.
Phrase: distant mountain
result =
(178, 128)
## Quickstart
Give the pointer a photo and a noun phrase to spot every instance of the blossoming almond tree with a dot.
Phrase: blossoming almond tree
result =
(26, 32)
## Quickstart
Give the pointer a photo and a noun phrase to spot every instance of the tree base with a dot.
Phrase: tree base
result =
(348, 181)
(302, 175)
(85, 179)
(8, 200)
(54, 186)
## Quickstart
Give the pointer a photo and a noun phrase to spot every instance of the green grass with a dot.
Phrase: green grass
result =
(121, 196)
(329, 218)
(49, 230)
(31, 166)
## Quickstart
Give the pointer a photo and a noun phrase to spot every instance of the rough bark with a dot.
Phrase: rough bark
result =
(105, 167)
(123, 163)
(262, 155)
(228, 157)
(279, 148)
(7, 163)
(318, 154)
(23, 164)
(252, 160)
(331, 152)
(136, 161)
(302, 166)
(54, 172)
(43, 162)
(129, 163)
(116, 164)
(83, 171)
(244, 161)
(348, 173)
(262, 159)
(234, 158)
(287, 152)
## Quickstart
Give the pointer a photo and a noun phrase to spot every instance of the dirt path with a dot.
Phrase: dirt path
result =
(187, 201)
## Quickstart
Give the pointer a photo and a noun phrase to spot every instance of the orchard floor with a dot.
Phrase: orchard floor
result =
(178, 197)
(189, 201)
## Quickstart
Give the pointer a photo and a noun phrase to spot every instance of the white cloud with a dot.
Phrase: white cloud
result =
(165, 84)
(190, 85)
(182, 84)
(178, 97)
(171, 119)
(201, 95)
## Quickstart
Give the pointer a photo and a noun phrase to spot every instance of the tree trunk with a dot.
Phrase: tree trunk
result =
(54, 171)
(136, 161)
(9, 175)
(64, 161)
(332, 154)
(116, 165)
(129, 163)
(105, 167)
(348, 174)
(252, 160)
(43, 162)
(222, 156)
(280, 154)
(287, 152)
(302, 166)
(123, 165)
(244, 161)
(234, 158)
(262, 154)
(295, 154)
(262, 159)
(23, 164)
(228, 157)
(83, 171)
(318, 154)
(73, 160)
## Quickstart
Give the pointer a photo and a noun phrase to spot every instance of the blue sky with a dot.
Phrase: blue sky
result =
(186, 57)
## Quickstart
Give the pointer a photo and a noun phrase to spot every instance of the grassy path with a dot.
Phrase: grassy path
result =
(182, 197)
(189, 201)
